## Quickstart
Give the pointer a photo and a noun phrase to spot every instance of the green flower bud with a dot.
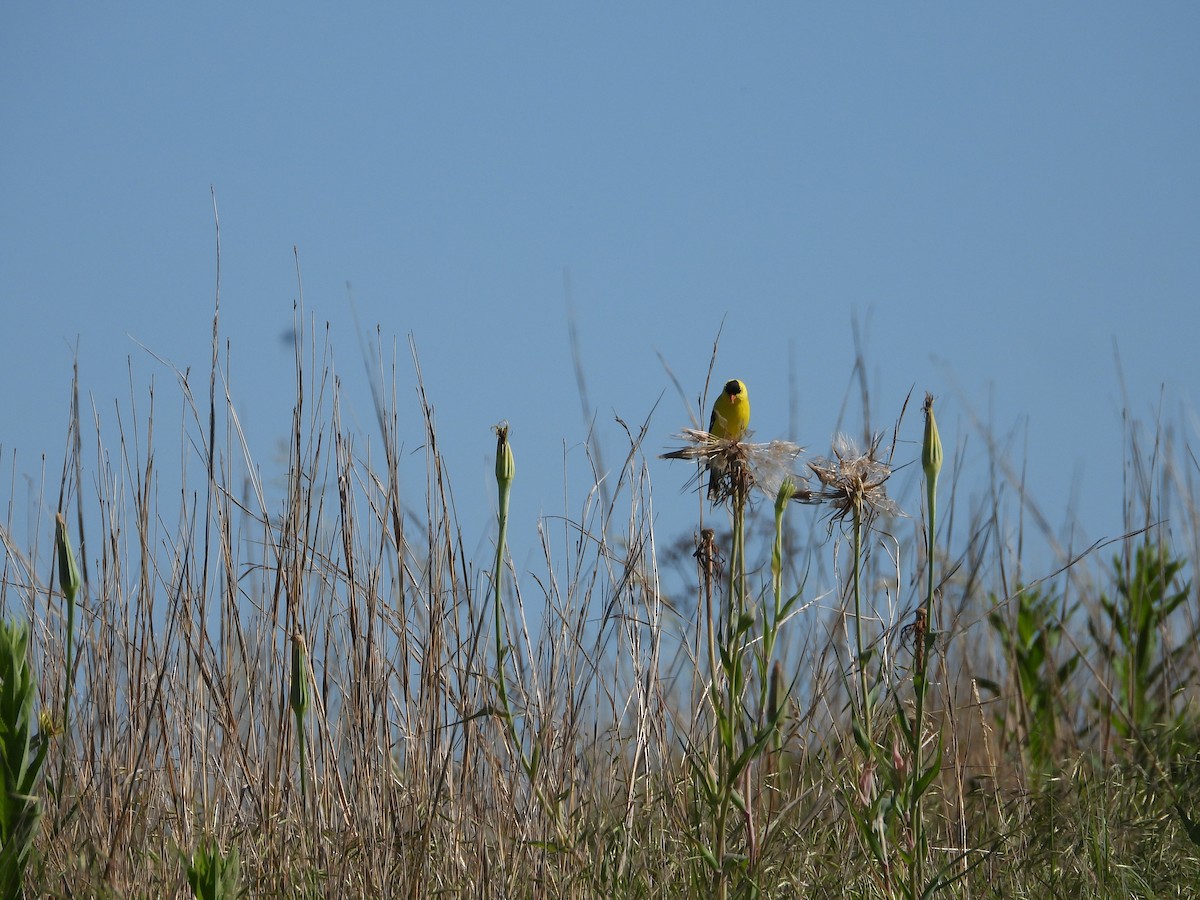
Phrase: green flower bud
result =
(299, 697)
(931, 448)
(506, 467)
(68, 569)
(787, 490)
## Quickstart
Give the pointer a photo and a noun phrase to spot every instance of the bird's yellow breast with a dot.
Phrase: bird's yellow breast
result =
(731, 412)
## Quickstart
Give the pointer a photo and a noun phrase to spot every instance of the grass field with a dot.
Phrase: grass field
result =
(329, 696)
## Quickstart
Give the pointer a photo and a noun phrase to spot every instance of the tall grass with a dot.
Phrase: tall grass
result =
(327, 686)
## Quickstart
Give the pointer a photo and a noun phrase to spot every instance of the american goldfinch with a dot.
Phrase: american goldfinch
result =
(729, 421)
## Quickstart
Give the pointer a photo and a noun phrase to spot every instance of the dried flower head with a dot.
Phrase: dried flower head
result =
(853, 482)
(740, 465)
(774, 466)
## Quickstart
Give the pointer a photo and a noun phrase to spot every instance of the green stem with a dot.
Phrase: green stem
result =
(303, 767)
(711, 620)
(770, 628)
(70, 582)
(734, 682)
(497, 574)
(864, 686)
(70, 674)
(737, 567)
(920, 688)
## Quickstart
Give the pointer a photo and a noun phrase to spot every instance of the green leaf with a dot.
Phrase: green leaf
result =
(860, 736)
(930, 773)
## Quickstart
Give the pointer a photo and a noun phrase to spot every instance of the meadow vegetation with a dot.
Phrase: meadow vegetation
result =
(207, 692)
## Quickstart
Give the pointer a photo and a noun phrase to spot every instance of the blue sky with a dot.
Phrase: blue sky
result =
(999, 194)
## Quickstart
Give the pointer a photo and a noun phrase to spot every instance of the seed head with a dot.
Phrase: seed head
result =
(853, 481)
(739, 465)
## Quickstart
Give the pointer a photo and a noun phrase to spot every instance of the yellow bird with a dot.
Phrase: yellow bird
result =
(729, 421)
